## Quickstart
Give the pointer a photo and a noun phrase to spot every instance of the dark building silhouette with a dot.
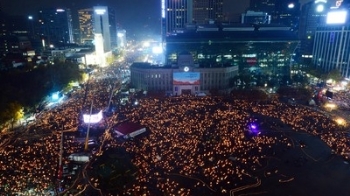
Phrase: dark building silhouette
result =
(312, 16)
(55, 25)
(284, 12)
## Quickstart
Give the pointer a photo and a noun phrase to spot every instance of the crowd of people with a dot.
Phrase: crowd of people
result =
(205, 139)
(29, 160)
(194, 145)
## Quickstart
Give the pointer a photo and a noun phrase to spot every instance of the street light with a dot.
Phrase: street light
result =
(320, 5)
(30, 18)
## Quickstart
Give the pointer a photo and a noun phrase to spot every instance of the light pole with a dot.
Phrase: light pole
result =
(30, 18)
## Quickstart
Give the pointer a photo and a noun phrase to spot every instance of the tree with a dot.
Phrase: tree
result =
(12, 113)
(25, 89)
(110, 59)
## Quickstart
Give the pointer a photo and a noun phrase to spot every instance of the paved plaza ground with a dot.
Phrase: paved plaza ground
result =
(302, 171)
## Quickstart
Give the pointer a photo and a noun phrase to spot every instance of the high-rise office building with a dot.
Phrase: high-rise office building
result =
(3, 25)
(205, 11)
(112, 27)
(252, 17)
(105, 17)
(121, 38)
(56, 26)
(263, 6)
(175, 15)
(85, 25)
(313, 15)
(104, 23)
(287, 13)
(284, 12)
(331, 49)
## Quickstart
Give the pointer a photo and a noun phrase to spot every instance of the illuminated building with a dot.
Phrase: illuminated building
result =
(56, 26)
(105, 33)
(184, 78)
(214, 56)
(104, 23)
(331, 49)
(267, 48)
(85, 25)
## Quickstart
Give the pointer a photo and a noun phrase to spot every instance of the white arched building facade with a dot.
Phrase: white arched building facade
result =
(181, 79)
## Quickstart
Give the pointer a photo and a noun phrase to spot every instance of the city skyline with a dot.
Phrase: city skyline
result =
(29, 7)
(142, 12)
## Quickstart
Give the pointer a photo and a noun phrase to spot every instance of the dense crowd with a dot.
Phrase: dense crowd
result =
(205, 139)
(29, 163)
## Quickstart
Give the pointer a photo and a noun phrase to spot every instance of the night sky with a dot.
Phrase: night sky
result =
(130, 14)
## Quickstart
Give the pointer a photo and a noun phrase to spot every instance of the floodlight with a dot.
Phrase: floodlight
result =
(320, 1)
(336, 17)
(320, 8)
(157, 50)
(55, 96)
(146, 44)
(291, 5)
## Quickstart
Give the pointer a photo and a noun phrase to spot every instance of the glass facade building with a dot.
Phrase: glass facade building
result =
(332, 49)
(56, 26)
(265, 49)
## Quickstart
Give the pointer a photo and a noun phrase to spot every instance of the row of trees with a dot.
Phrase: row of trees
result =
(23, 89)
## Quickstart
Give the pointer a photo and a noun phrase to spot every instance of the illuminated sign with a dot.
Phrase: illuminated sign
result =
(93, 118)
(100, 11)
(320, 1)
(252, 61)
(186, 78)
(336, 17)
(338, 3)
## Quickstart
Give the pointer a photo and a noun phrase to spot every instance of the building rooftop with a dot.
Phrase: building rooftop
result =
(128, 127)
(146, 65)
(237, 33)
